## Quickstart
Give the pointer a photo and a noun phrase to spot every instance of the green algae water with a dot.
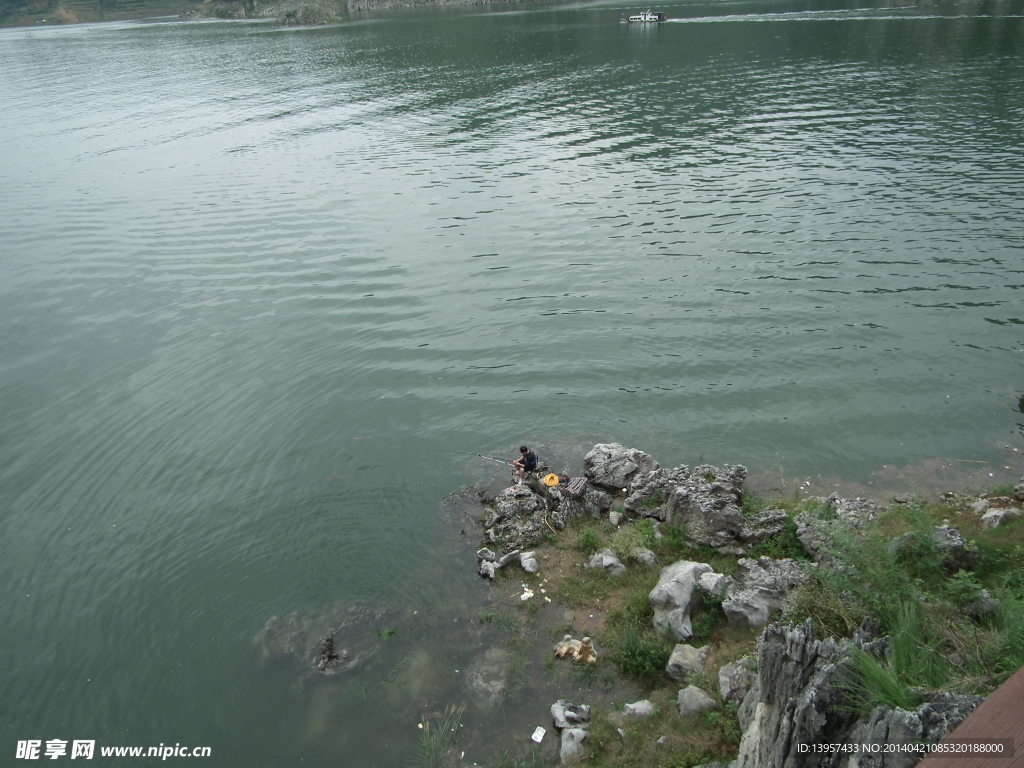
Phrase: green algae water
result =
(255, 281)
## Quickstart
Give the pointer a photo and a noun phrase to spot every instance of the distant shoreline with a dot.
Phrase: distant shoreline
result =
(298, 12)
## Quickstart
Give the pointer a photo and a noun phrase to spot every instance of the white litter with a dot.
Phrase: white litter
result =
(538, 735)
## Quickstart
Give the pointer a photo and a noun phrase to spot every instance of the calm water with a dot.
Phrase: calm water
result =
(253, 281)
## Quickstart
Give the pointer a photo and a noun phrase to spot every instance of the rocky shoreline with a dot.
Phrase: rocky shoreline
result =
(728, 630)
(794, 691)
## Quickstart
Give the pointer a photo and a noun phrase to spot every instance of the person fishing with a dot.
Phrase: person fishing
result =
(527, 462)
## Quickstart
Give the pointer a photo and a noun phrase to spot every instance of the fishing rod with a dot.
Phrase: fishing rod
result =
(489, 458)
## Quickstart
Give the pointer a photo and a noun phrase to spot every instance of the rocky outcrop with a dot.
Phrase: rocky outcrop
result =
(799, 698)
(522, 515)
(762, 587)
(672, 596)
(836, 515)
(928, 723)
(706, 503)
(763, 525)
(736, 679)
(613, 466)
(950, 545)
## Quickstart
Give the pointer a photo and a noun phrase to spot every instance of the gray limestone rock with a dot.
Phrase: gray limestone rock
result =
(836, 515)
(716, 584)
(692, 701)
(763, 525)
(607, 561)
(980, 507)
(707, 506)
(638, 709)
(984, 606)
(613, 466)
(571, 749)
(644, 555)
(521, 517)
(507, 558)
(568, 715)
(928, 723)
(763, 586)
(686, 660)
(517, 519)
(615, 518)
(672, 596)
(956, 553)
(735, 679)
(997, 517)
(528, 561)
(798, 698)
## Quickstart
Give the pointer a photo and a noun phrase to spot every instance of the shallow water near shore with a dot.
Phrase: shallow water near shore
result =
(255, 282)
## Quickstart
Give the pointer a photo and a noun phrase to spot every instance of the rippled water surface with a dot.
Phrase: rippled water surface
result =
(254, 282)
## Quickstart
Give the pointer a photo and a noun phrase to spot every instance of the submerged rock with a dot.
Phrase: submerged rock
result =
(328, 641)
(487, 676)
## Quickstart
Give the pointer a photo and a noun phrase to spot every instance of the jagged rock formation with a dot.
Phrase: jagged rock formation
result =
(763, 587)
(843, 516)
(524, 514)
(612, 466)
(799, 698)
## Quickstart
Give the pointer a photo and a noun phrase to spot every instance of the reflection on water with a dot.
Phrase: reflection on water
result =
(256, 281)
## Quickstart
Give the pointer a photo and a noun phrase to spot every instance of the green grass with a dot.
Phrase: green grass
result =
(438, 738)
(706, 615)
(784, 544)
(629, 539)
(590, 541)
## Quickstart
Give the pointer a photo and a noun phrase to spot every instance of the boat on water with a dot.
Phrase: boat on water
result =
(647, 16)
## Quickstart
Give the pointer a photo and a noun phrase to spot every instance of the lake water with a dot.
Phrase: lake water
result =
(254, 282)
